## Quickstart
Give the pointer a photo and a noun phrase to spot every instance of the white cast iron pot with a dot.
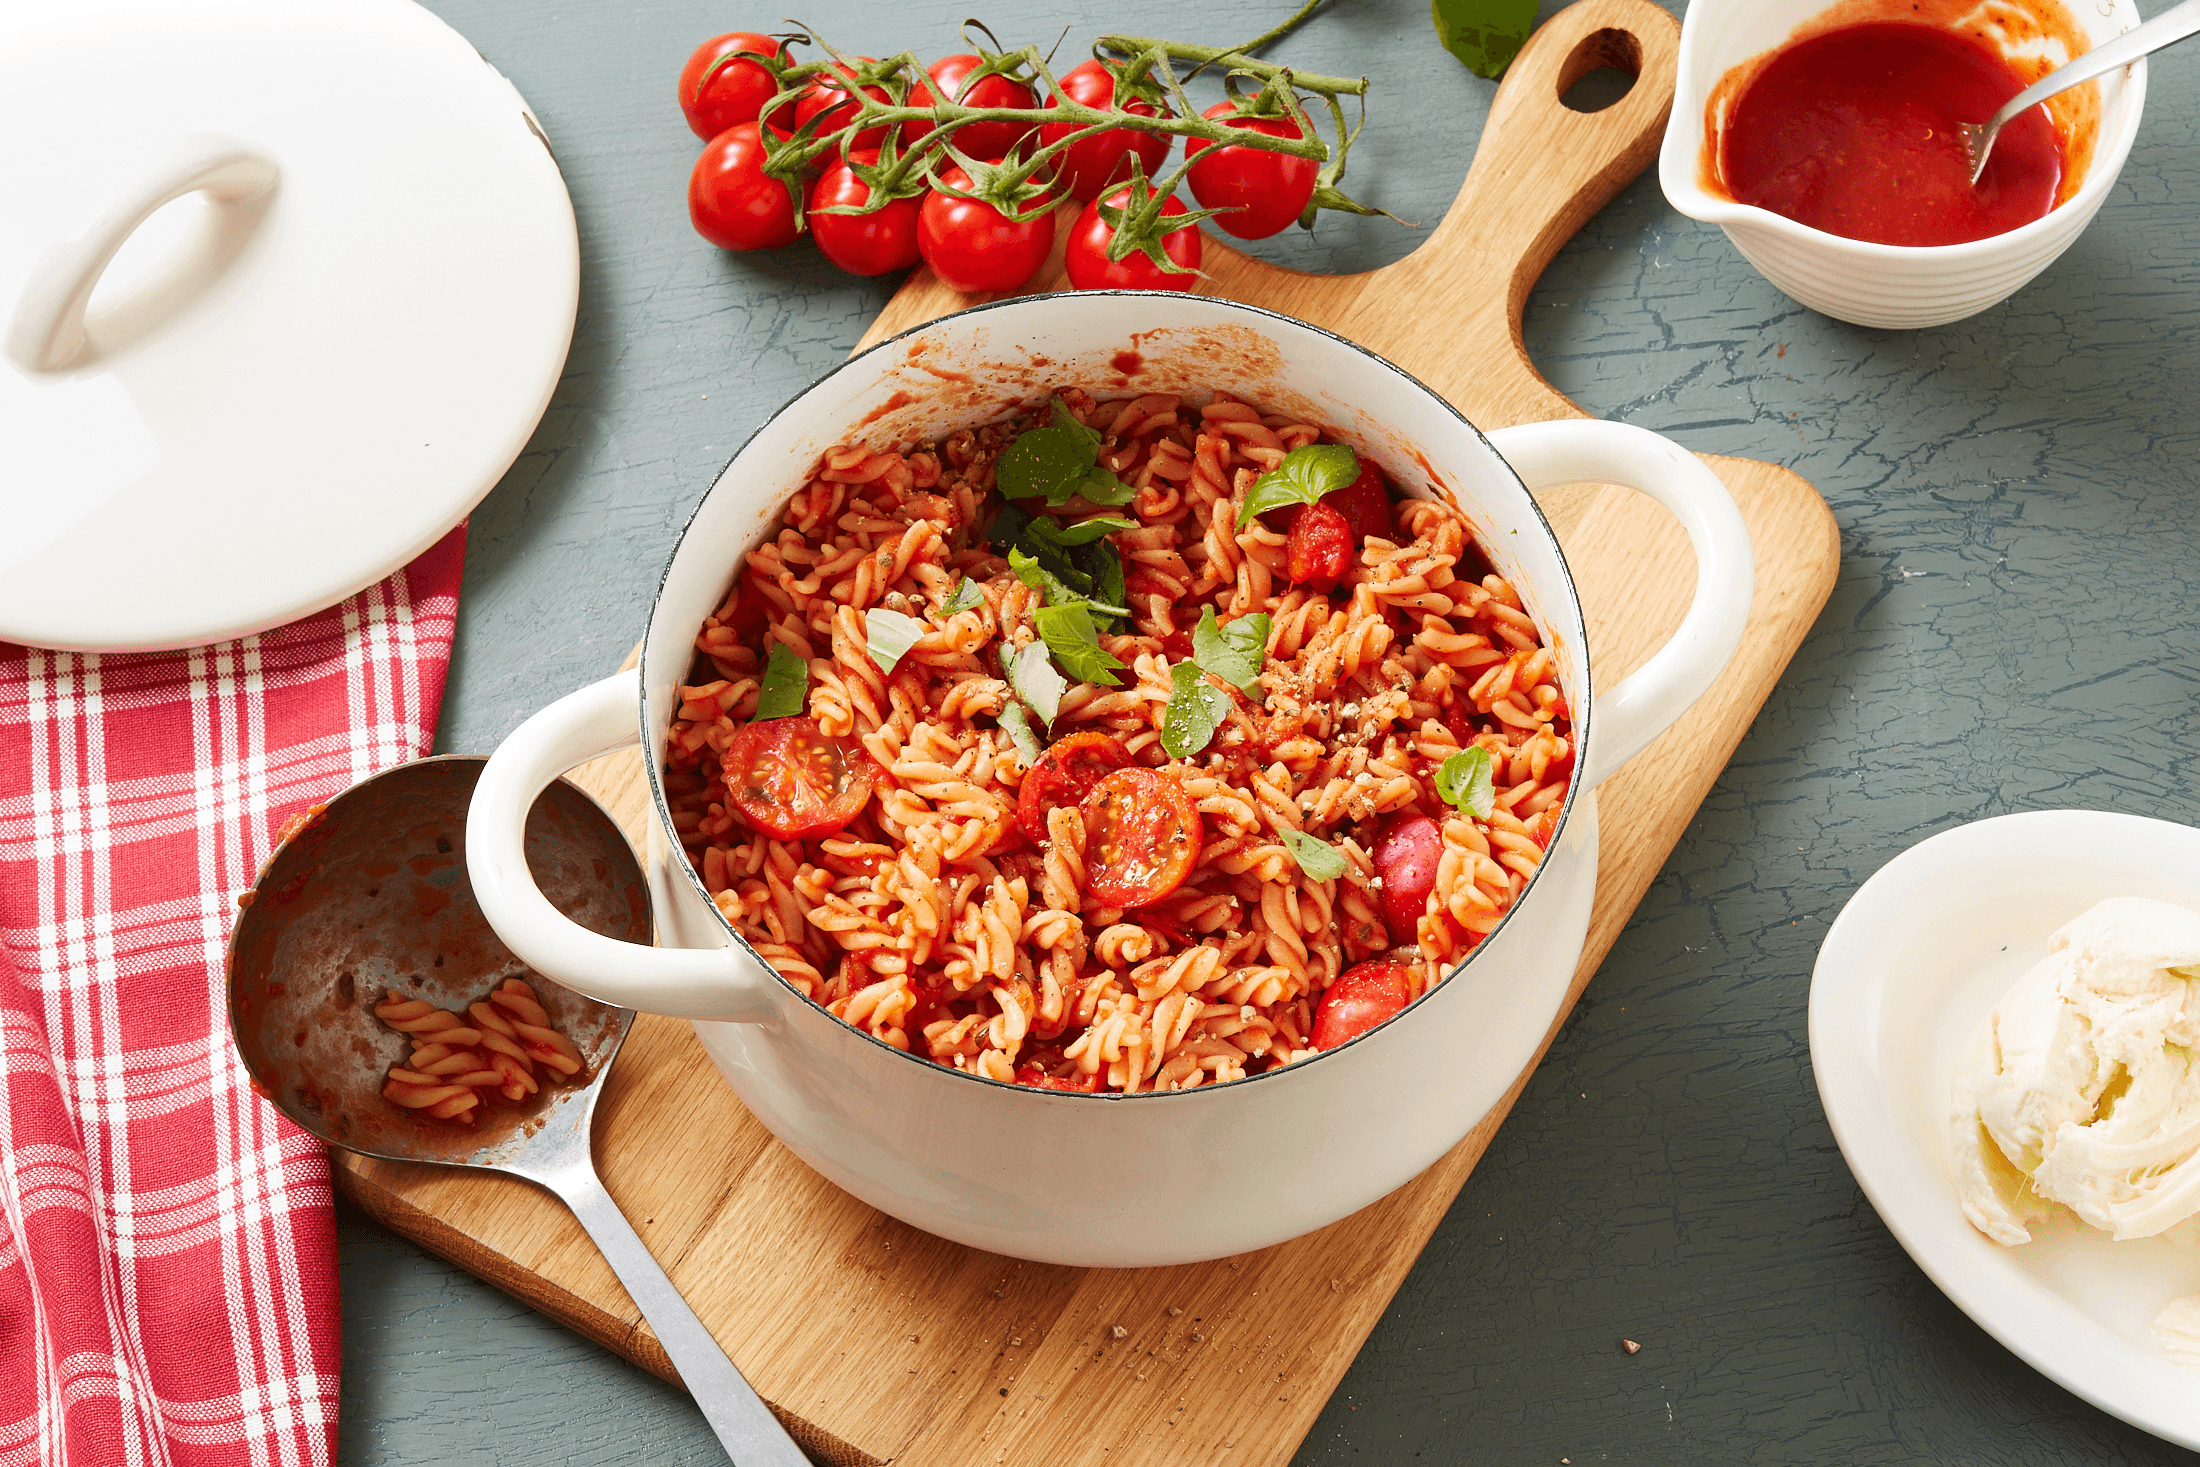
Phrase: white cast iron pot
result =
(1116, 1180)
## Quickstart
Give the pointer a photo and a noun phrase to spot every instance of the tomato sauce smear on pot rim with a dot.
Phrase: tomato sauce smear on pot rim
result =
(1855, 131)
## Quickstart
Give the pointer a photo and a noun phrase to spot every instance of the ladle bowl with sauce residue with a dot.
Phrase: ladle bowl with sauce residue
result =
(370, 894)
(1814, 136)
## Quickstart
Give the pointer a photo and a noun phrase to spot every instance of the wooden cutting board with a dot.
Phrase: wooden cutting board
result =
(879, 1343)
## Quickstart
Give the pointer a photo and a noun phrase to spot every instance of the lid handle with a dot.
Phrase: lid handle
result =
(47, 330)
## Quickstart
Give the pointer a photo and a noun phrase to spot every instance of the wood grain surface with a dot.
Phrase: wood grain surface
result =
(880, 1343)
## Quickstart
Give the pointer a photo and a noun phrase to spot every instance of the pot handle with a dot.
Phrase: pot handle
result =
(727, 983)
(1630, 716)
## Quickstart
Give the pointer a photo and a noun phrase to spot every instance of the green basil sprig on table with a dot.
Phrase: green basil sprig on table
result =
(1320, 860)
(1061, 462)
(1234, 653)
(1468, 780)
(1485, 34)
(1304, 476)
(786, 686)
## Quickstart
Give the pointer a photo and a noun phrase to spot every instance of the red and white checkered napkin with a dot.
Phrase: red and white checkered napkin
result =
(167, 1253)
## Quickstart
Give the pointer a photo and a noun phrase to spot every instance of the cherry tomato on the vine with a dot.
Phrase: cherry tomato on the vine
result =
(789, 778)
(731, 200)
(833, 96)
(1142, 837)
(736, 92)
(1091, 269)
(1358, 1000)
(989, 142)
(862, 244)
(1260, 193)
(974, 247)
(1087, 168)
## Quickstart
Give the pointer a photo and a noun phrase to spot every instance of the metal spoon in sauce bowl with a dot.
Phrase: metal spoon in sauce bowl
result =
(2166, 29)
(371, 895)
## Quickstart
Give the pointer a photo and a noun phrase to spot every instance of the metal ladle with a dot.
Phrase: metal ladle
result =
(2168, 28)
(371, 894)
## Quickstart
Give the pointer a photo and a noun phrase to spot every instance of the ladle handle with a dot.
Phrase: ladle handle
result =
(728, 983)
(746, 1428)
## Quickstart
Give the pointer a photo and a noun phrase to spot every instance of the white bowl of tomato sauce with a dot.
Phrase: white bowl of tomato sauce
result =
(1823, 141)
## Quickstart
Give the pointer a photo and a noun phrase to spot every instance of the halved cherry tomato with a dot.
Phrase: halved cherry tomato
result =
(1361, 998)
(1259, 193)
(1142, 837)
(736, 92)
(1064, 773)
(1086, 168)
(1406, 852)
(973, 246)
(862, 244)
(988, 142)
(731, 201)
(789, 778)
(1090, 268)
(1319, 551)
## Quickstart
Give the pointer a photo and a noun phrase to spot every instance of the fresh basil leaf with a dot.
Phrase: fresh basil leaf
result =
(1110, 597)
(887, 635)
(1008, 527)
(1320, 860)
(1485, 34)
(1033, 678)
(1043, 461)
(1017, 724)
(786, 687)
(1075, 642)
(1234, 653)
(965, 595)
(1468, 780)
(1065, 421)
(1304, 476)
(1084, 532)
(1101, 486)
(1196, 709)
(1056, 582)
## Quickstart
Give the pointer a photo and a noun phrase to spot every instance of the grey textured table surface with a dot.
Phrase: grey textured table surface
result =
(2016, 627)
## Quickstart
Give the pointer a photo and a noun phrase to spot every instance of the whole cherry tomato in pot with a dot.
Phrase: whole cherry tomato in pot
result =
(987, 141)
(733, 93)
(1318, 552)
(1091, 269)
(1407, 850)
(976, 248)
(1359, 999)
(1260, 193)
(1087, 168)
(731, 200)
(862, 244)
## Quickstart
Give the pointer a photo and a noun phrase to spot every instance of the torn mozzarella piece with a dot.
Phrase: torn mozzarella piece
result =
(2083, 1086)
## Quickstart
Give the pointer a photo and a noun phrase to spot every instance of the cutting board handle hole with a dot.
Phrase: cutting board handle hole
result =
(1600, 70)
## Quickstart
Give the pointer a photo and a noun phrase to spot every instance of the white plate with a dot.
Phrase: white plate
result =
(280, 401)
(1922, 952)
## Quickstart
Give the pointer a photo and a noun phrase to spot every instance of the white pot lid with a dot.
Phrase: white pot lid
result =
(308, 367)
